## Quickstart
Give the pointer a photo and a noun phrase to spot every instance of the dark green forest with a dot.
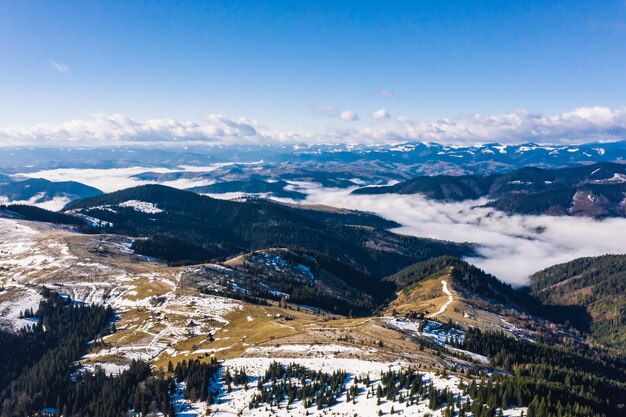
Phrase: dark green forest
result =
(37, 368)
(556, 381)
(231, 227)
(597, 284)
(527, 190)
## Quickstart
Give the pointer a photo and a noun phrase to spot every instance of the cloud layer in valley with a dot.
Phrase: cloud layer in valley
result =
(584, 124)
(511, 247)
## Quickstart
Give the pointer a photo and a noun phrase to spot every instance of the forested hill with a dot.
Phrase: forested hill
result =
(595, 283)
(34, 213)
(250, 186)
(438, 187)
(592, 190)
(40, 190)
(474, 284)
(220, 228)
(469, 278)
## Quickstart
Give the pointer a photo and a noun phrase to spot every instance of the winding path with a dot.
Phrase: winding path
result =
(444, 307)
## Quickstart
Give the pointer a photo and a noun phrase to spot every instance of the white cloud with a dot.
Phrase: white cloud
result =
(113, 179)
(384, 93)
(380, 114)
(581, 125)
(116, 129)
(348, 116)
(59, 67)
(510, 247)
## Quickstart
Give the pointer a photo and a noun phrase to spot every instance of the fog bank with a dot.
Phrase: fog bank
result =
(511, 247)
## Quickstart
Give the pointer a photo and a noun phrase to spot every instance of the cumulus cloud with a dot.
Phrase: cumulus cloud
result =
(348, 116)
(380, 114)
(580, 125)
(106, 130)
(59, 67)
(510, 247)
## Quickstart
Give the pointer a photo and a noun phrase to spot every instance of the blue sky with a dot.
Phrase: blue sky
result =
(296, 65)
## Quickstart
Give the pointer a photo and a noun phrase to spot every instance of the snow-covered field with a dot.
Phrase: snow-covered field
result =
(236, 402)
(314, 351)
(21, 298)
(26, 251)
(438, 333)
(141, 206)
(432, 329)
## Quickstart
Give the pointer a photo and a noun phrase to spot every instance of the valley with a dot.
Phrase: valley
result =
(274, 294)
(244, 312)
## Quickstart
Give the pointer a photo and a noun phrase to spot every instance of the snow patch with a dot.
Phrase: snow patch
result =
(141, 206)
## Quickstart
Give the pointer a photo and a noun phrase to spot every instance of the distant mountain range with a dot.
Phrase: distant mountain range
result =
(387, 161)
(512, 173)
(597, 190)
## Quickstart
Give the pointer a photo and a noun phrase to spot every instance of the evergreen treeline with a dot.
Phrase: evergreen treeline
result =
(95, 394)
(198, 376)
(37, 361)
(311, 387)
(438, 187)
(332, 286)
(56, 321)
(597, 284)
(559, 201)
(359, 218)
(37, 367)
(556, 381)
(338, 299)
(30, 212)
(552, 202)
(176, 251)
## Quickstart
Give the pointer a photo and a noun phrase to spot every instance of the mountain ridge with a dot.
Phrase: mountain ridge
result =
(258, 224)
(597, 190)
